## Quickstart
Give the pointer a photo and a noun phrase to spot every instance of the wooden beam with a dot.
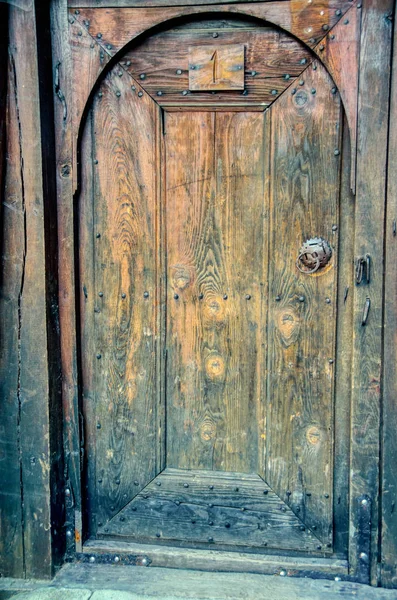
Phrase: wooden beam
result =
(389, 439)
(369, 223)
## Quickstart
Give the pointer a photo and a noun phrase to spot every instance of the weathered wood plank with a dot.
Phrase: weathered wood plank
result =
(389, 440)
(116, 28)
(214, 179)
(344, 240)
(302, 308)
(369, 219)
(273, 59)
(126, 279)
(63, 70)
(201, 507)
(220, 561)
(339, 52)
(12, 266)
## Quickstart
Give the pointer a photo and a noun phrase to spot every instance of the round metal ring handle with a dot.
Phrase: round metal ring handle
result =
(310, 271)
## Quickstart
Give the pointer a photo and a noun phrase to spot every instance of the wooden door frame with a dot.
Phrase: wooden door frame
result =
(373, 101)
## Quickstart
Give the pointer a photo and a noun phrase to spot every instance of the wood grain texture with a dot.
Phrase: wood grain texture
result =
(273, 59)
(215, 244)
(339, 51)
(207, 507)
(12, 267)
(125, 188)
(304, 204)
(308, 22)
(66, 256)
(389, 474)
(89, 59)
(375, 56)
(344, 239)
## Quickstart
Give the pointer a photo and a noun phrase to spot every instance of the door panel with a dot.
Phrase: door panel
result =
(304, 203)
(215, 251)
(124, 172)
(209, 364)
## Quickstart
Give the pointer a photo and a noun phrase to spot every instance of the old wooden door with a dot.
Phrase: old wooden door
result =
(215, 388)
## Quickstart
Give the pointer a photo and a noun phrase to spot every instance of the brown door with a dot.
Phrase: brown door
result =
(212, 153)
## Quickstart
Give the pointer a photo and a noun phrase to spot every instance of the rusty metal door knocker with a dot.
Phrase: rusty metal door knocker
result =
(314, 254)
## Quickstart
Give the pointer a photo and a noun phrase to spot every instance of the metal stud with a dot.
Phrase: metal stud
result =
(76, 12)
(192, 521)
(185, 485)
(128, 63)
(123, 296)
(331, 361)
(364, 502)
(200, 297)
(334, 228)
(108, 46)
(253, 73)
(67, 492)
(177, 502)
(118, 94)
(91, 559)
(287, 76)
(293, 92)
(301, 298)
(158, 534)
(303, 61)
(120, 73)
(117, 482)
(225, 296)
(336, 152)
(140, 94)
(346, 22)
(95, 161)
(265, 492)
(322, 47)
(325, 27)
(236, 489)
(363, 556)
(277, 298)
(122, 519)
(133, 508)
(86, 23)
(337, 578)
(100, 94)
(274, 92)
(328, 300)
(215, 35)
(314, 67)
(184, 93)
(332, 36)
(176, 296)
(100, 294)
(211, 505)
(99, 356)
(99, 35)
(99, 479)
(136, 482)
(248, 297)
(210, 539)
(283, 573)
(142, 76)
(133, 88)
(69, 533)
(210, 523)
(302, 528)
(333, 90)
(98, 426)
(318, 547)
(179, 71)
(71, 20)
(245, 93)
(116, 559)
(159, 93)
(146, 294)
(158, 483)
(80, 33)
(288, 493)
(313, 91)
(227, 525)
(242, 509)
(301, 82)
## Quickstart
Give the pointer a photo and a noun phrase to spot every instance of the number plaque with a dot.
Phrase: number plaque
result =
(216, 68)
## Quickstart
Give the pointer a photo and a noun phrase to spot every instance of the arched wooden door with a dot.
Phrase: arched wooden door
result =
(215, 345)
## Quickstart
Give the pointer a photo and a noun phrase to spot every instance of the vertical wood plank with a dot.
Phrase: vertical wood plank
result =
(126, 280)
(12, 263)
(31, 387)
(369, 237)
(302, 308)
(215, 194)
(389, 440)
(63, 72)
